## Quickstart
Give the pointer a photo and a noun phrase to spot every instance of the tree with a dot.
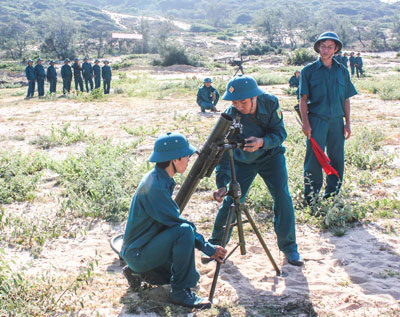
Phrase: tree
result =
(14, 38)
(59, 40)
(270, 25)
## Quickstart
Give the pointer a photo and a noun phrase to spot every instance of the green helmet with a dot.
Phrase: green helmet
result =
(241, 87)
(171, 146)
(328, 36)
(207, 80)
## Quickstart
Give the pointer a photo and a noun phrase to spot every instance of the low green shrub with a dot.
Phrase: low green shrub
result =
(171, 55)
(59, 137)
(251, 47)
(266, 79)
(19, 176)
(197, 28)
(301, 56)
(100, 182)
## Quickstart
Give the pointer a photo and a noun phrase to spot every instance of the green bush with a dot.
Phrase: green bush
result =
(202, 28)
(19, 175)
(301, 56)
(59, 137)
(255, 48)
(364, 150)
(172, 55)
(270, 79)
(100, 182)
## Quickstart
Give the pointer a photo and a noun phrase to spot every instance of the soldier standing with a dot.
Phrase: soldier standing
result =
(96, 74)
(352, 61)
(66, 74)
(359, 65)
(106, 74)
(52, 77)
(31, 77)
(87, 72)
(325, 90)
(77, 74)
(345, 60)
(40, 75)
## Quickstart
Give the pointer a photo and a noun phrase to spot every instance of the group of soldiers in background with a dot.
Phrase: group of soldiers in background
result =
(356, 62)
(86, 70)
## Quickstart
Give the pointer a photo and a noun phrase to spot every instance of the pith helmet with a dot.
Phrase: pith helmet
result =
(171, 146)
(241, 87)
(66, 60)
(30, 61)
(207, 80)
(85, 58)
(328, 36)
(51, 62)
(76, 59)
(39, 59)
(96, 60)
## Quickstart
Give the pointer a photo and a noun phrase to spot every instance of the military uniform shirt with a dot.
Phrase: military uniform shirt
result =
(87, 70)
(294, 81)
(96, 70)
(39, 71)
(66, 72)
(266, 124)
(77, 70)
(30, 73)
(51, 73)
(205, 94)
(326, 89)
(153, 209)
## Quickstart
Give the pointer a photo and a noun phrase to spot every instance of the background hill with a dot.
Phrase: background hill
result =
(59, 28)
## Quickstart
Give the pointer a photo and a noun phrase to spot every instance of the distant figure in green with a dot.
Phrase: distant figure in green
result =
(87, 72)
(96, 74)
(66, 74)
(207, 96)
(31, 77)
(359, 65)
(345, 60)
(352, 61)
(106, 74)
(77, 75)
(294, 82)
(40, 76)
(52, 77)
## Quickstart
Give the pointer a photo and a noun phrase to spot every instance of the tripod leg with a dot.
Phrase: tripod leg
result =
(228, 226)
(239, 222)
(260, 238)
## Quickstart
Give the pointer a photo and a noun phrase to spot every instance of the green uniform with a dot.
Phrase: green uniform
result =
(352, 61)
(66, 74)
(40, 75)
(31, 77)
(326, 90)
(52, 78)
(345, 60)
(158, 240)
(204, 98)
(87, 72)
(268, 162)
(106, 75)
(97, 76)
(358, 61)
(77, 76)
(294, 82)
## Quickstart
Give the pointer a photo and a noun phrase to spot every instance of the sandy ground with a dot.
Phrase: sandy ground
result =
(354, 275)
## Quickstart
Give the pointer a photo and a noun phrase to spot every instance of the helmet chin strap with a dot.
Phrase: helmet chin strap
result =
(252, 105)
(173, 165)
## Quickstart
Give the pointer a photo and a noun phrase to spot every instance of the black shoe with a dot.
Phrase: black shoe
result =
(295, 259)
(134, 279)
(188, 298)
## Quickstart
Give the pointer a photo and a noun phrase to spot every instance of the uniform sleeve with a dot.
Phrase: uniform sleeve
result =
(303, 84)
(204, 246)
(276, 132)
(216, 96)
(223, 172)
(199, 98)
(48, 74)
(350, 89)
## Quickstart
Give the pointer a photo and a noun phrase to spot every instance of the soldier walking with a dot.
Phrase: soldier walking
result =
(66, 74)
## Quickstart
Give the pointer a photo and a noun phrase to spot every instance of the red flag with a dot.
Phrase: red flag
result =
(322, 158)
